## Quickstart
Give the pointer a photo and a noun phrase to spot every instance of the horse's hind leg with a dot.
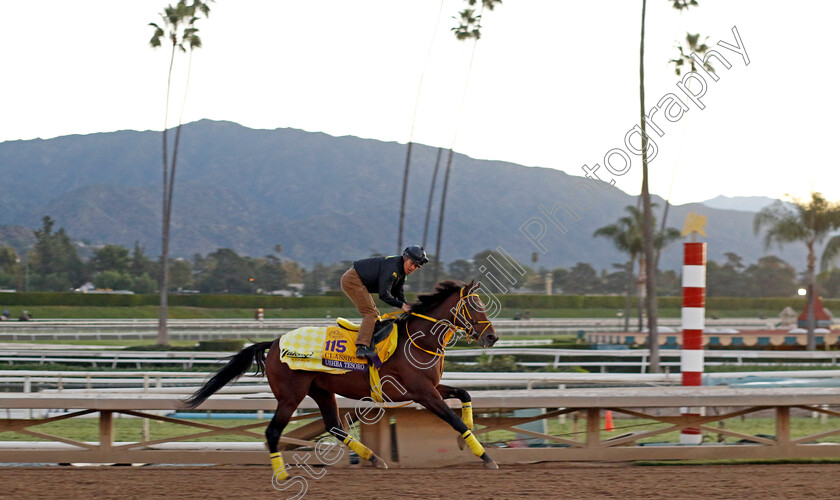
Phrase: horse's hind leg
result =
(288, 399)
(272, 436)
(329, 413)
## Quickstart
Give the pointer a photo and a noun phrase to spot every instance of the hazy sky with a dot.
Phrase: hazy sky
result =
(553, 83)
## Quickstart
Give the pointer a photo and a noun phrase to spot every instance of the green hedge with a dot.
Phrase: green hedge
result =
(255, 301)
(575, 301)
(193, 300)
(76, 299)
(617, 302)
(221, 301)
(542, 301)
(771, 303)
(221, 345)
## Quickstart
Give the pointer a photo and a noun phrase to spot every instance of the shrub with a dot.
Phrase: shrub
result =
(234, 345)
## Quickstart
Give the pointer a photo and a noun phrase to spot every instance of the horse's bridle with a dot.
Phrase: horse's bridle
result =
(469, 328)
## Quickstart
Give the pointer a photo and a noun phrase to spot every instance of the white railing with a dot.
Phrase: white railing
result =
(555, 358)
(640, 358)
(201, 329)
(69, 382)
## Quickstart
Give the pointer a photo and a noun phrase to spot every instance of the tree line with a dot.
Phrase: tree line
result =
(54, 264)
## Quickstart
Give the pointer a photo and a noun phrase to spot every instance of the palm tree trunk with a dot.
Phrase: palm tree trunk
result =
(812, 316)
(440, 217)
(402, 202)
(640, 292)
(650, 258)
(411, 138)
(628, 298)
(451, 152)
(812, 299)
(431, 196)
(163, 310)
(429, 211)
(662, 232)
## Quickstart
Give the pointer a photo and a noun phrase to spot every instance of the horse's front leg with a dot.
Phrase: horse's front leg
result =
(437, 406)
(447, 392)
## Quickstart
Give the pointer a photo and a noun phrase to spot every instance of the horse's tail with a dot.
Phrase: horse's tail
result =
(239, 364)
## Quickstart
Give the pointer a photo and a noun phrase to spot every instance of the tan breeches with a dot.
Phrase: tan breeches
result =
(352, 285)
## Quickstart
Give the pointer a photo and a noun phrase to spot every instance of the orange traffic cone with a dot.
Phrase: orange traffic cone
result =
(608, 422)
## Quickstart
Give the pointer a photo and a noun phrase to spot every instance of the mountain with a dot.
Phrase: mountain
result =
(17, 237)
(742, 203)
(323, 198)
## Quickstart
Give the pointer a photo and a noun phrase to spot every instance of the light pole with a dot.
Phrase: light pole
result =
(25, 272)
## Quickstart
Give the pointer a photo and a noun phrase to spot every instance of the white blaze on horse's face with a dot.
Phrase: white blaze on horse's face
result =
(479, 306)
(489, 337)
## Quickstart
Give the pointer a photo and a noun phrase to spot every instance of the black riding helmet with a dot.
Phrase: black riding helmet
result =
(417, 254)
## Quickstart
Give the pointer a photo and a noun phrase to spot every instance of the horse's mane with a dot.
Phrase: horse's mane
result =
(429, 301)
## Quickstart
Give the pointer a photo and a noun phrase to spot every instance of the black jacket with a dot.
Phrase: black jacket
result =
(385, 276)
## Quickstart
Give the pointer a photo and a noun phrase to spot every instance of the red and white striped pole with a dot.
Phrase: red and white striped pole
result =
(693, 322)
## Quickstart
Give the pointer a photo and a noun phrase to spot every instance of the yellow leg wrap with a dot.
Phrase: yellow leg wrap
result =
(375, 384)
(466, 414)
(277, 467)
(360, 449)
(473, 443)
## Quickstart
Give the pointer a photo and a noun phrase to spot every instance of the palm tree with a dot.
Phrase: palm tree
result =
(469, 24)
(627, 237)
(684, 4)
(404, 193)
(469, 27)
(179, 29)
(411, 141)
(685, 55)
(429, 212)
(808, 222)
(440, 215)
(680, 62)
(647, 228)
(647, 223)
(431, 197)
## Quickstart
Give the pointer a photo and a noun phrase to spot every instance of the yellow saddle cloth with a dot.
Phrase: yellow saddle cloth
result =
(330, 349)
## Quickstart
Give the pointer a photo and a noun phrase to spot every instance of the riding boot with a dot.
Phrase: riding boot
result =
(364, 340)
(365, 351)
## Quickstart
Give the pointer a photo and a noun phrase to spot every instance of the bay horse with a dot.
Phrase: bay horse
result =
(415, 369)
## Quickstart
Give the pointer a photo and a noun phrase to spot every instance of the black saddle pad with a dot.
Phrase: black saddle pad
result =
(381, 330)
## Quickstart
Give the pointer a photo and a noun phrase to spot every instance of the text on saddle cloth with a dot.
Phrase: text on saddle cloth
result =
(340, 348)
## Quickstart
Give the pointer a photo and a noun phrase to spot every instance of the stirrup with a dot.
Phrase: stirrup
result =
(365, 351)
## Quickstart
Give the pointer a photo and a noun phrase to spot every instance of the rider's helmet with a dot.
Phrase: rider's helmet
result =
(417, 254)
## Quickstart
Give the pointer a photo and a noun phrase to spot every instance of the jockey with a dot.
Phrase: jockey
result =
(384, 276)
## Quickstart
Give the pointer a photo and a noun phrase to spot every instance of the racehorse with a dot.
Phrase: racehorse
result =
(415, 370)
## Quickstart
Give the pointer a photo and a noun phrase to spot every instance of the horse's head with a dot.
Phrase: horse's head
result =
(471, 315)
(454, 306)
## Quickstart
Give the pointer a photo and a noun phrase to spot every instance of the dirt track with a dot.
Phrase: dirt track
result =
(574, 481)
